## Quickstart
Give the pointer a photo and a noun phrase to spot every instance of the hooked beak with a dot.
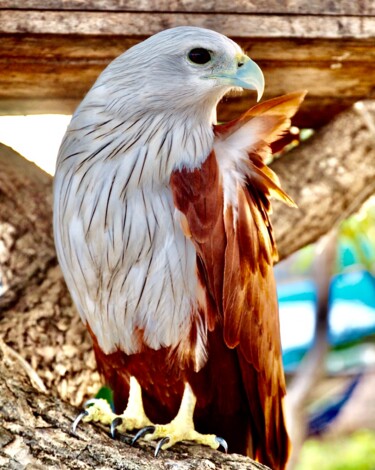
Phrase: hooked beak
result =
(247, 75)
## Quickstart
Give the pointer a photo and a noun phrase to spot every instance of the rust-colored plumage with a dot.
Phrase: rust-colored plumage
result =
(240, 388)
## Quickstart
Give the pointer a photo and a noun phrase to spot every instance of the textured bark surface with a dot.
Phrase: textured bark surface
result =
(50, 73)
(147, 23)
(329, 176)
(36, 313)
(307, 7)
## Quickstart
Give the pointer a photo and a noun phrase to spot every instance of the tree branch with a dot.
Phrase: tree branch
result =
(329, 176)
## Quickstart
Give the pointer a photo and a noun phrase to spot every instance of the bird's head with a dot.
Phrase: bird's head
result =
(180, 69)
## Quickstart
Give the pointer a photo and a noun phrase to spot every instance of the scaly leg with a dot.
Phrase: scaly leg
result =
(181, 428)
(99, 410)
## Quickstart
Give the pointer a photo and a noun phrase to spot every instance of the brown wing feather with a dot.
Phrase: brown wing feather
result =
(235, 265)
(284, 106)
(199, 196)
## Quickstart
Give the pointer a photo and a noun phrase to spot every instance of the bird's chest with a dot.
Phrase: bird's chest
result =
(145, 286)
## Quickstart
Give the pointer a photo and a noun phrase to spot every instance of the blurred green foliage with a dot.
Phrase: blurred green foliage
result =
(356, 244)
(355, 452)
(357, 239)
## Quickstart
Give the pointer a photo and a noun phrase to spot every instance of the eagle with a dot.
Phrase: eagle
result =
(163, 234)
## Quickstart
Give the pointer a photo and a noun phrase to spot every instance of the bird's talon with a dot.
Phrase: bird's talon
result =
(116, 422)
(78, 419)
(222, 443)
(142, 432)
(160, 445)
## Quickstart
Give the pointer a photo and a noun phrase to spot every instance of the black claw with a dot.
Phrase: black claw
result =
(142, 432)
(114, 425)
(160, 445)
(222, 443)
(78, 419)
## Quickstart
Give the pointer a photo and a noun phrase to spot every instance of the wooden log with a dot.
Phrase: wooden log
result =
(51, 73)
(147, 23)
(52, 51)
(319, 175)
(306, 7)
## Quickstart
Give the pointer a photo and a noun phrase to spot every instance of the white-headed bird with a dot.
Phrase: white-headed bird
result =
(162, 230)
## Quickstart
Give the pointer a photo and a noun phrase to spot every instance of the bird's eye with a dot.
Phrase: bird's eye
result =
(199, 56)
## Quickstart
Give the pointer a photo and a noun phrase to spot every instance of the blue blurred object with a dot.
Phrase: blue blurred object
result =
(319, 420)
(351, 313)
(352, 307)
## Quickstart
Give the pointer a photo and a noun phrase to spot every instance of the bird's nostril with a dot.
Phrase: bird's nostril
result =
(240, 64)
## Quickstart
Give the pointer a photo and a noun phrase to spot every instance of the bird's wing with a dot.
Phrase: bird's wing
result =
(225, 208)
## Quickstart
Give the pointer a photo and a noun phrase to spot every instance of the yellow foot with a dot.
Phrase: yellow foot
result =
(99, 411)
(181, 428)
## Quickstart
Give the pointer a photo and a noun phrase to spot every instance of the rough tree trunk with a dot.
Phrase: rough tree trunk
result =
(329, 177)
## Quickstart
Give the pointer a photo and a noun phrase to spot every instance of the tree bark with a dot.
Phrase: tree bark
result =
(37, 318)
(329, 176)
